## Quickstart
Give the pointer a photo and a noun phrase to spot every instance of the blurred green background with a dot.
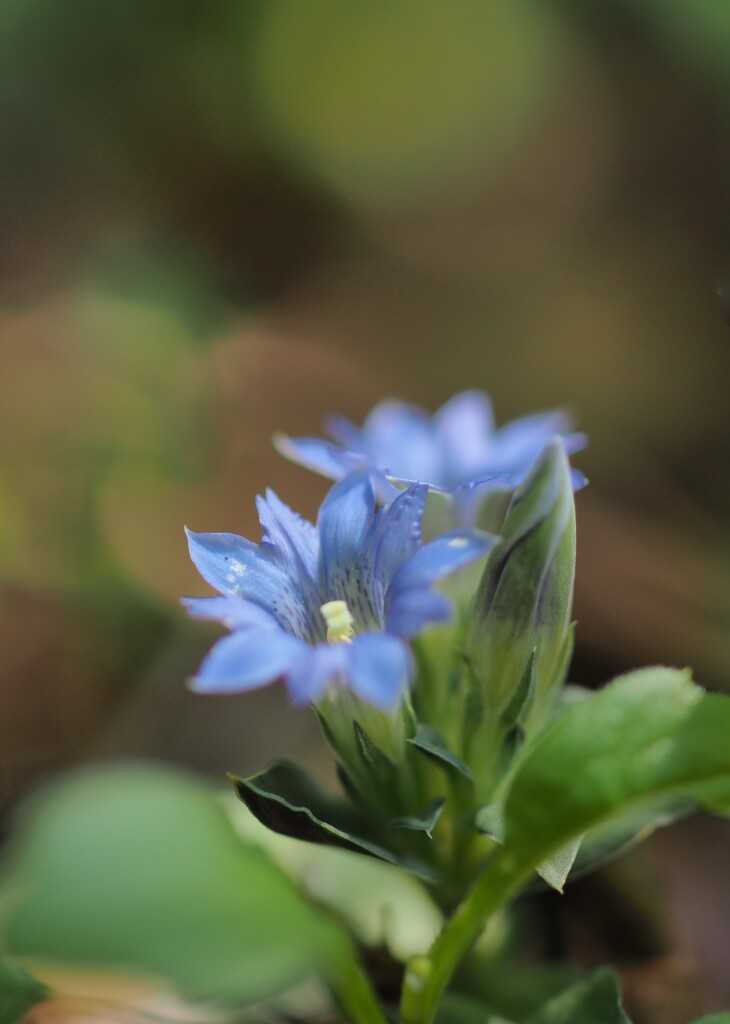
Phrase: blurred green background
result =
(225, 218)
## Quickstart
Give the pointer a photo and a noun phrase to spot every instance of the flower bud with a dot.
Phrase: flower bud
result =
(519, 636)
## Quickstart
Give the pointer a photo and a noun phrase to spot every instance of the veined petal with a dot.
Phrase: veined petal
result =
(380, 668)
(410, 611)
(295, 544)
(442, 556)
(294, 537)
(396, 533)
(344, 521)
(233, 612)
(237, 567)
(246, 660)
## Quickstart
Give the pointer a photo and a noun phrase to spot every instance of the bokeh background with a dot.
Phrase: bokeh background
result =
(221, 219)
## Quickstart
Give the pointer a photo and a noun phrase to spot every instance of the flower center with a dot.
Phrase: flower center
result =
(338, 619)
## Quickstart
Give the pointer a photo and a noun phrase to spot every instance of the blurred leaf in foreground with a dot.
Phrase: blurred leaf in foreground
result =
(138, 867)
(19, 991)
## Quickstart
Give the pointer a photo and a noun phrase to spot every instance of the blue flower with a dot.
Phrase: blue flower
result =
(327, 605)
(458, 451)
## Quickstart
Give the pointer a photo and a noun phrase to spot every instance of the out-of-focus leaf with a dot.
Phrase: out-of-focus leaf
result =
(597, 1000)
(604, 844)
(455, 1008)
(19, 991)
(139, 868)
(515, 992)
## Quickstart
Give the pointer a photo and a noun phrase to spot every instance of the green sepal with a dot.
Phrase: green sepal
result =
(348, 784)
(424, 822)
(519, 704)
(19, 993)
(381, 768)
(430, 742)
(287, 800)
(597, 1000)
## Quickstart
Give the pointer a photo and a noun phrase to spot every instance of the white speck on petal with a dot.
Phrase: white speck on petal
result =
(458, 542)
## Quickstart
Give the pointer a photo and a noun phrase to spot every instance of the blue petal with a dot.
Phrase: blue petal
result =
(292, 536)
(465, 427)
(396, 535)
(575, 442)
(246, 660)
(344, 521)
(442, 556)
(518, 444)
(318, 455)
(402, 442)
(410, 611)
(380, 668)
(233, 612)
(315, 670)
(346, 433)
(295, 544)
(236, 567)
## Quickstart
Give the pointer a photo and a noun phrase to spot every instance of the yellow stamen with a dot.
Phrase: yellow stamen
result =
(339, 620)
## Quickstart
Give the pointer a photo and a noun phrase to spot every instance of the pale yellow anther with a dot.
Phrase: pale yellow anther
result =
(339, 620)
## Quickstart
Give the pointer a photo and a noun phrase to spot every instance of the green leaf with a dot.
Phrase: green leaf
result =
(489, 820)
(554, 870)
(603, 844)
(19, 992)
(648, 738)
(430, 742)
(714, 1018)
(424, 822)
(512, 991)
(597, 1000)
(288, 801)
(456, 1008)
(139, 868)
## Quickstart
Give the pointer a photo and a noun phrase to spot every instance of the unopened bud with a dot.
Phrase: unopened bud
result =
(520, 627)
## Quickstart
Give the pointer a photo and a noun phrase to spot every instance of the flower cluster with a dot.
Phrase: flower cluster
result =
(334, 604)
(328, 604)
(458, 451)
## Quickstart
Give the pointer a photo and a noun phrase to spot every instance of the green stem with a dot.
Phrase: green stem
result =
(355, 994)
(427, 977)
